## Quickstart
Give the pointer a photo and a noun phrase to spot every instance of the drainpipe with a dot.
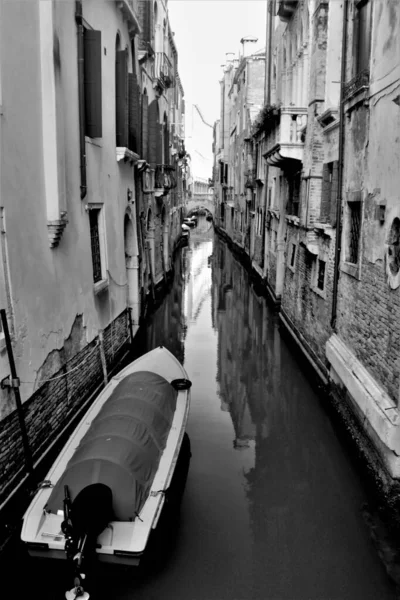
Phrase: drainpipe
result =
(81, 97)
(271, 10)
(338, 245)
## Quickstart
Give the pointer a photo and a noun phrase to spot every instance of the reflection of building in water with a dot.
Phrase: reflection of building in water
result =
(238, 341)
(166, 325)
(198, 278)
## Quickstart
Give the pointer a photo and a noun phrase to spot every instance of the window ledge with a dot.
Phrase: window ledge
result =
(275, 213)
(125, 154)
(292, 219)
(317, 291)
(324, 229)
(94, 141)
(100, 286)
(351, 269)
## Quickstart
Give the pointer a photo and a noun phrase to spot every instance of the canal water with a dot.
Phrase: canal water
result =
(273, 505)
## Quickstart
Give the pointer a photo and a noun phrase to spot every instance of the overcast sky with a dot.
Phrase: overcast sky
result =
(205, 30)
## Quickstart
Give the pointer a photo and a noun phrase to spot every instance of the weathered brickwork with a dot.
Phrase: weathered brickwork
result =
(308, 308)
(368, 311)
(57, 401)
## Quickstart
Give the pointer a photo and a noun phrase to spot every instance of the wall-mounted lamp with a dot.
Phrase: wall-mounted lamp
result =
(130, 195)
(382, 210)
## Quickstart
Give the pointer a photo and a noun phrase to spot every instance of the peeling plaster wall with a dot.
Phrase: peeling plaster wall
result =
(50, 287)
(368, 308)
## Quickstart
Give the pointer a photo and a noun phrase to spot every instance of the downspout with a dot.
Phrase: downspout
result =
(267, 99)
(338, 245)
(81, 97)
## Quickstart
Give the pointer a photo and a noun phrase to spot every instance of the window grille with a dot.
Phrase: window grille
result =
(354, 232)
(95, 244)
(321, 275)
(293, 257)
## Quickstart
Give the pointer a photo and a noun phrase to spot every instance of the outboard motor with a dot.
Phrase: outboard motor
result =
(85, 518)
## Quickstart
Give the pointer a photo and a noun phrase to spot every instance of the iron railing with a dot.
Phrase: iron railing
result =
(360, 81)
(163, 70)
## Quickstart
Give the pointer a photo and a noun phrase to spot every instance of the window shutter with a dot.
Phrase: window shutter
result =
(145, 120)
(121, 99)
(134, 113)
(92, 83)
(166, 143)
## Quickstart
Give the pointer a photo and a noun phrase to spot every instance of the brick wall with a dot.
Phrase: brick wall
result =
(368, 323)
(56, 402)
(309, 310)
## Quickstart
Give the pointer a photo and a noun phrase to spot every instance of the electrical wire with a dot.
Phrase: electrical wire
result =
(68, 372)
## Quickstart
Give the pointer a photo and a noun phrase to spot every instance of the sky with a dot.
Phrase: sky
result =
(205, 30)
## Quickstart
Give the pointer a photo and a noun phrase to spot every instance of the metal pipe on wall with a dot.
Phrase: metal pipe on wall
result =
(81, 97)
(338, 245)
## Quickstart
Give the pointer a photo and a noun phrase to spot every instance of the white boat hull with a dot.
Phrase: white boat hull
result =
(122, 542)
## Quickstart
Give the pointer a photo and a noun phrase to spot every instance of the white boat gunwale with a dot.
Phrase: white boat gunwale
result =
(130, 536)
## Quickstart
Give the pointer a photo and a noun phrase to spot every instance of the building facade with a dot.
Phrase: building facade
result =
(327, 139)
(92, 131)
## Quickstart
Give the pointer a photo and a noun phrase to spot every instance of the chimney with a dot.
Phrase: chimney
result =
(247, 45)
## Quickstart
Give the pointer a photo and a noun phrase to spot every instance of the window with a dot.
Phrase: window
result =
(329, 192)
(121, 98)
(97, 243)
(354, 230)
(321, 275)
(293, 255)
(92, 83)
(294, 180)
(362, 35)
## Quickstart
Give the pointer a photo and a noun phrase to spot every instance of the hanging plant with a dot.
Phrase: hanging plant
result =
(266, 118)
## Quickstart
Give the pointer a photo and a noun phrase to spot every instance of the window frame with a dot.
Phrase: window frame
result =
(103, 283)
(315, 274)
(351, 268)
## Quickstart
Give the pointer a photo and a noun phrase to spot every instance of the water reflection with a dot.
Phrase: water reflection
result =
(272, 505)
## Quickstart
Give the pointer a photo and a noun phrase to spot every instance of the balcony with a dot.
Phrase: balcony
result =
(286, 141)
(128, 9)
(164, 180)
(356, 90)
(163, 71)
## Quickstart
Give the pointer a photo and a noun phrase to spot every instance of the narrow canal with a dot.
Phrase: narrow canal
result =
(273, 506)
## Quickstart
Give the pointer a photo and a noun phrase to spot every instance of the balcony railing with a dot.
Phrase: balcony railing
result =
(286, 140)
(163, 71)
(165, 178)
(359, 82)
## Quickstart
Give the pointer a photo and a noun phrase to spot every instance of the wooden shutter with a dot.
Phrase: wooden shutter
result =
(92, 83)
(121, 98)
(145, 121)
(134, 113)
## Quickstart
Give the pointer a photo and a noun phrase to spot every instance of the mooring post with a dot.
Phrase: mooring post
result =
(14, 383)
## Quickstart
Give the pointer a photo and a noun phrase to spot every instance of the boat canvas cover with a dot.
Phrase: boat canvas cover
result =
(123, 446)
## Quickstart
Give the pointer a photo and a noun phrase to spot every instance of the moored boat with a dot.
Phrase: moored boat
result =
(105, 493)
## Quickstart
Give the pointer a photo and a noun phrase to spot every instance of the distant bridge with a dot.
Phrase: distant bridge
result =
(198, 201)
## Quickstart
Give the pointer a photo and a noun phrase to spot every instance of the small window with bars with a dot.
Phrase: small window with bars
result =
(293, 255)
(97, 244)
(321, 275)
(354, 232)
